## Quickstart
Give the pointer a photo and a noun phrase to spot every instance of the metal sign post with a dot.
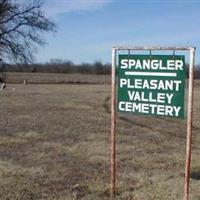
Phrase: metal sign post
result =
(189, 123)
(151, 71)
(113, 127)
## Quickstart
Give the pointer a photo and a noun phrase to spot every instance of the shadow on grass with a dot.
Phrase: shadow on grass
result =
(195, 175)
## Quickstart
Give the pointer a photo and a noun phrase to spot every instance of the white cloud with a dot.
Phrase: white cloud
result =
(53, 7)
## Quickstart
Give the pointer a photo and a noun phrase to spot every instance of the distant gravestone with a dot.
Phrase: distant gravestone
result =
(3, 86)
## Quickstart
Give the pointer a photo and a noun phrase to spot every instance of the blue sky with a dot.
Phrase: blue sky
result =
(87, 29)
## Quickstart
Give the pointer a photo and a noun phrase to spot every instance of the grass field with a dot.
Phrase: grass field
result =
(54, 144)
(52, 78)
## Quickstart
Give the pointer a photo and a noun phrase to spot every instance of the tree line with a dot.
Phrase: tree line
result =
(57, 66)
(68, 67)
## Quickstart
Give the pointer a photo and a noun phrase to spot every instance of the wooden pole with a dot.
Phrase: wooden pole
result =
(189, 124)
(113, 128)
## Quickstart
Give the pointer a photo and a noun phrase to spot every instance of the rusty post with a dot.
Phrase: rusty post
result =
(189, 124)
(113, 128)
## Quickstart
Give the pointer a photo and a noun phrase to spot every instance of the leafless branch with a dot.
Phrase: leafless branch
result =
(20, 29)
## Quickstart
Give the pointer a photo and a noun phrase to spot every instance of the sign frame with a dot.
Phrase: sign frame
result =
(191, 50)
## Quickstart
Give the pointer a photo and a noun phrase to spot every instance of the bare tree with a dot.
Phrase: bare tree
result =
(21, 26)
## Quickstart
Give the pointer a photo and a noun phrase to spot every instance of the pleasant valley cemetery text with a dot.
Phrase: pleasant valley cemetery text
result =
(151, 84)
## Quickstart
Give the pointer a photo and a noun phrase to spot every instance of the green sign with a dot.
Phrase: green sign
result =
(152, 85)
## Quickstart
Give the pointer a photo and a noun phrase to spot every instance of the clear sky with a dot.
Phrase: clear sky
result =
(87, 29)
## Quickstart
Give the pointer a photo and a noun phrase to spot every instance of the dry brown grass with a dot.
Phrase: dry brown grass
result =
(54, 137)
(51, 78)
